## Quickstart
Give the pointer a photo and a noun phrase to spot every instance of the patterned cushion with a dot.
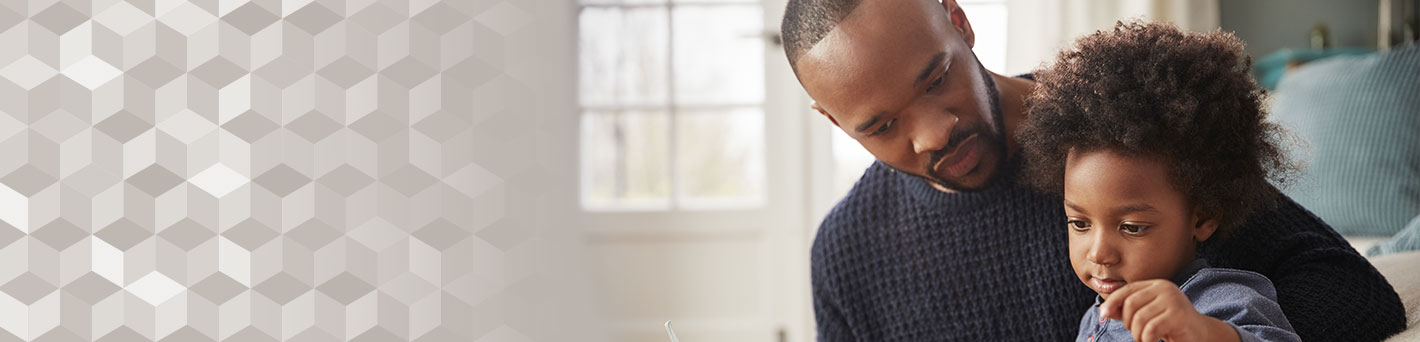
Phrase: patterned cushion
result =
(1359, 120)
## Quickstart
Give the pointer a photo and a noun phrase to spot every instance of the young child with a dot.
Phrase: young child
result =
(1157, 141)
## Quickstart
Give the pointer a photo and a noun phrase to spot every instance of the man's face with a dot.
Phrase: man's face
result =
(900, 78)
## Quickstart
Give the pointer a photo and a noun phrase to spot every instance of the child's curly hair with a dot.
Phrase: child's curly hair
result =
(1149, 89)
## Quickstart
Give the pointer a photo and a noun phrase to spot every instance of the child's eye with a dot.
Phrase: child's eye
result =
(1078, 225)
(1133, 229)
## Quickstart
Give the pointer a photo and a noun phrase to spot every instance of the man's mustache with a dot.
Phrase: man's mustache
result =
(956, 139)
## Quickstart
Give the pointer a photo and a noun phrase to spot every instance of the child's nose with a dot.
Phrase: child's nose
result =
(1102, 251)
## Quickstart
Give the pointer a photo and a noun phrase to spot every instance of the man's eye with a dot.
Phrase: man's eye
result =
(1133, 229)
(885, 127)
(936, 83)
(1078, 225)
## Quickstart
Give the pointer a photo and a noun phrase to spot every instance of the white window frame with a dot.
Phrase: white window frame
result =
(675, 200)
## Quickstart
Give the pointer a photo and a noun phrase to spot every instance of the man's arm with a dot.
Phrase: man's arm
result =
(828, 313)
(1333, 294)
(1327, 290)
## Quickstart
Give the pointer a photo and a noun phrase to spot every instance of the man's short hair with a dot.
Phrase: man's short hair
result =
(806, 22)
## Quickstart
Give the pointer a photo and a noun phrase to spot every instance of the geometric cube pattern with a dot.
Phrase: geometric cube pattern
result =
(231, 170)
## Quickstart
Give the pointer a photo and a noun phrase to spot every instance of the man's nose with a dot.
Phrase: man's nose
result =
(932, 131)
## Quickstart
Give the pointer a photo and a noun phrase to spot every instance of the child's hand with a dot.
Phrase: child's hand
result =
(1156, 309)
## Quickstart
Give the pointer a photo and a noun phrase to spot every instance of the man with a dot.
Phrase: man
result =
(938, 241)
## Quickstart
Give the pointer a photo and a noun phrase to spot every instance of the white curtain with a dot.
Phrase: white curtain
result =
(1037, 29)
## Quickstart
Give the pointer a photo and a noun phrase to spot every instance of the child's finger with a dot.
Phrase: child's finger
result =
(1150, 332)
(1112, 306)
(1135, 307)
(1143, 315)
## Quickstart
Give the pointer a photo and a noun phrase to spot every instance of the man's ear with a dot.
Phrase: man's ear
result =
(1203, 226)
(959, 21)
(820, 110)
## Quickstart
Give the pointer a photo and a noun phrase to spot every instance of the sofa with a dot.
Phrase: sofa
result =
(1355, 120)
(1400, 269)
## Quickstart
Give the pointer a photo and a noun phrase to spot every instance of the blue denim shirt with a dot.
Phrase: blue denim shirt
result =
(1244, 300)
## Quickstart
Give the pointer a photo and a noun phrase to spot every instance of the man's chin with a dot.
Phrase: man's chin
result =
(968, 183)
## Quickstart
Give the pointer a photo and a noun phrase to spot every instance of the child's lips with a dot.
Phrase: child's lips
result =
(1104, 285)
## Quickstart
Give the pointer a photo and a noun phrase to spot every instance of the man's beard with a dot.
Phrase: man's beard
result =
(996, 138)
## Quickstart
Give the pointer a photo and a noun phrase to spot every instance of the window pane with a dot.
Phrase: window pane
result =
(620, 2)
(623, 56)
(850, 159)
(625, 160)
(720, 157)
(718, 1)
(719, 54)
(988, 21)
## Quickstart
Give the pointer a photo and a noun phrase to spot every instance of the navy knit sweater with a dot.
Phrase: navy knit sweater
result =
(897, 260)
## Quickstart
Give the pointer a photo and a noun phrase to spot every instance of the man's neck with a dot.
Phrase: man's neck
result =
(1013, 92)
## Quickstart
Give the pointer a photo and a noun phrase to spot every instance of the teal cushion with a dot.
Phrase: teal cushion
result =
(1270, 69)
(1359, 119)
(1406, 240)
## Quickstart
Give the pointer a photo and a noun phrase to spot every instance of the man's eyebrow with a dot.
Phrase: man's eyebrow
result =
(936, 60)
(869, 124)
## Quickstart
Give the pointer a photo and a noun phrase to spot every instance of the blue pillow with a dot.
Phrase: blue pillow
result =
(1359, 119)
(1270, 69)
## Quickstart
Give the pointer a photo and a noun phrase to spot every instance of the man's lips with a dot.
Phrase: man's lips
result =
(962, 159)
(1105, 285)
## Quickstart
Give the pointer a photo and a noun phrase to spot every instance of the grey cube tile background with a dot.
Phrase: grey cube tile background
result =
(249, 170)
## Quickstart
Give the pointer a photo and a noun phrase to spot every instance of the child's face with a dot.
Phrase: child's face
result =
(1126, 222)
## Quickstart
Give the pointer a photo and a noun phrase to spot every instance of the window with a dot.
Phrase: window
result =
(988, 22)
(672, 104)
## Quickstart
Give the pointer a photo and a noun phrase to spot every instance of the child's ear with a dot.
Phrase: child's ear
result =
(1203, 226)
